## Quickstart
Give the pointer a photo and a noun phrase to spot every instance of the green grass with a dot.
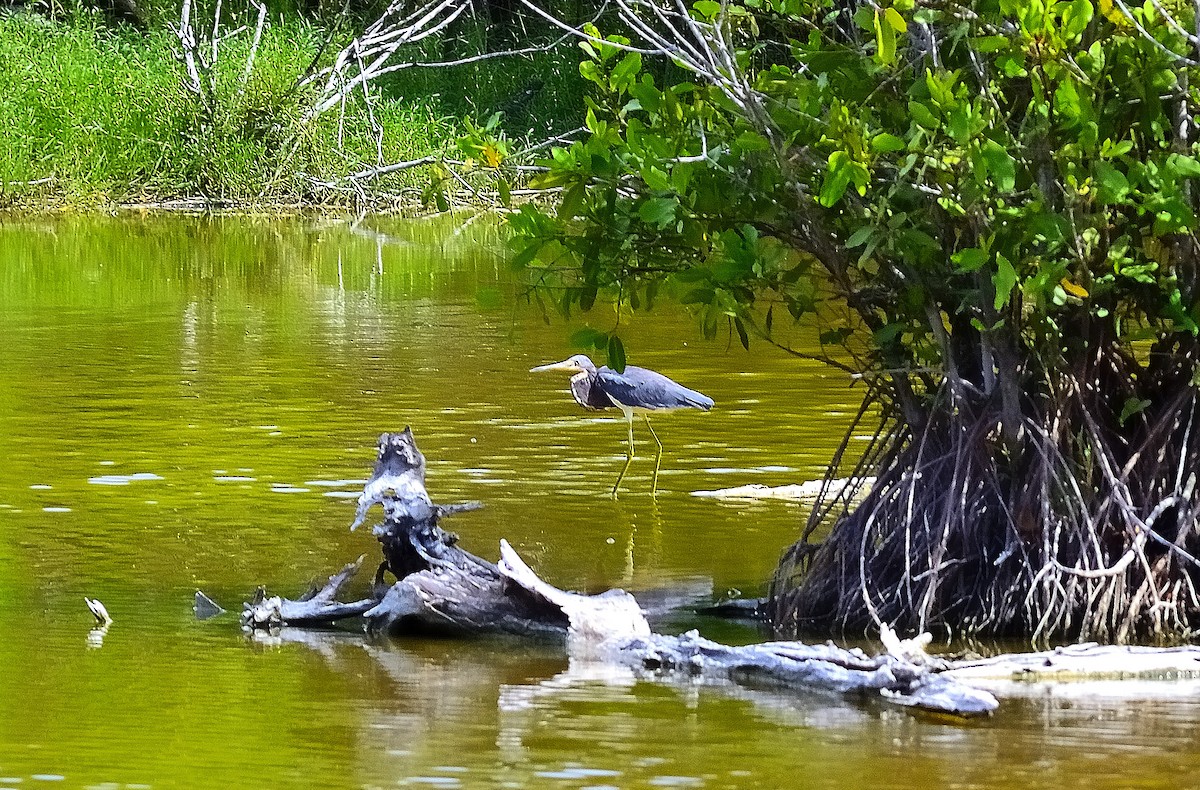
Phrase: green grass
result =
(102, 113)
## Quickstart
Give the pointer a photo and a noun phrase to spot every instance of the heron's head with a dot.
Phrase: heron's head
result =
(575, 364)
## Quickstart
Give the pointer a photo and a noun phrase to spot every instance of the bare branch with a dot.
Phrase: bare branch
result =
(258, 32)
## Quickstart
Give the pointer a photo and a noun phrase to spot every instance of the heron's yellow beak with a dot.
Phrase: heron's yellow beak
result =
(566, 365)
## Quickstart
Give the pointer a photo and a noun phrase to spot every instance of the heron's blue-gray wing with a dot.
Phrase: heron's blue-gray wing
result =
(640, 388)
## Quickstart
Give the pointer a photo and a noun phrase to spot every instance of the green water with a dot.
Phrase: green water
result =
(187, 403)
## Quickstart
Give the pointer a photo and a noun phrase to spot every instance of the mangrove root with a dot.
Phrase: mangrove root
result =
(1072, 519)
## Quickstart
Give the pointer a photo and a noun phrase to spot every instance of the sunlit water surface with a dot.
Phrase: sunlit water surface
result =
(188, 403)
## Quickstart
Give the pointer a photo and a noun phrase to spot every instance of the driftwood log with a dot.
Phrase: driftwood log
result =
(441, 588)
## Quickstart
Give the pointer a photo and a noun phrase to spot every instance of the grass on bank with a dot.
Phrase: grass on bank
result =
(94, 115)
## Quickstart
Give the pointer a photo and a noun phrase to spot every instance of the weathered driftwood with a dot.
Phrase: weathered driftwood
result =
(441, 587)
(824, 667)
(317, 607)
(1081, 663)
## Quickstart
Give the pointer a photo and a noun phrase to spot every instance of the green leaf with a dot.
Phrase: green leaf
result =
(986, 44)
(707, 8)
(970, 259)
(741, 331)
(616, 354)
(659, 212)
(885, 40)
(525, 256)
(888, 333)
(701, 295)
(1001, 166)
(572, 201)
(1066, 100)
(624, 73)
(1075, 18)
(834, 337)
(837, 178)
(895, 20)
(590, 71)
(1111, 150)
(860, 236)
(1132, 406)
(1184, 166)
(1004, 280)
(656, 179)
(1113, 186)
(887, 143)
(924, 116)
(588, 338)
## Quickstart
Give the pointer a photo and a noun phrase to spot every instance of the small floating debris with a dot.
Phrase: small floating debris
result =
(285, 489)
(56, 509)
(206, 607)
(798, 492)
(234, 479)
(122, 480)
(98, 611)
(41, 487)
(573, 772)
(436, 781)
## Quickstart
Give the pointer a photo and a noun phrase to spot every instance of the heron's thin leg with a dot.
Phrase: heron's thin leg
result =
(657, 457)
(628, 457)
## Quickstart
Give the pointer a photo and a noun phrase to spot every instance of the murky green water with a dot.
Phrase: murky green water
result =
(187, 403)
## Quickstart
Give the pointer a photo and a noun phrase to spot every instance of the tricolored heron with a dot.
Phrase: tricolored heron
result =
(636, 391)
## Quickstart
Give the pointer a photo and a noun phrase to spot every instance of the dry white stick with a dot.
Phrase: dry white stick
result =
(374, 172)
(258, 32)
(187, 44)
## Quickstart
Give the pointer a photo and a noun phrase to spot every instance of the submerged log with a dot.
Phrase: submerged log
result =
(442, 588)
